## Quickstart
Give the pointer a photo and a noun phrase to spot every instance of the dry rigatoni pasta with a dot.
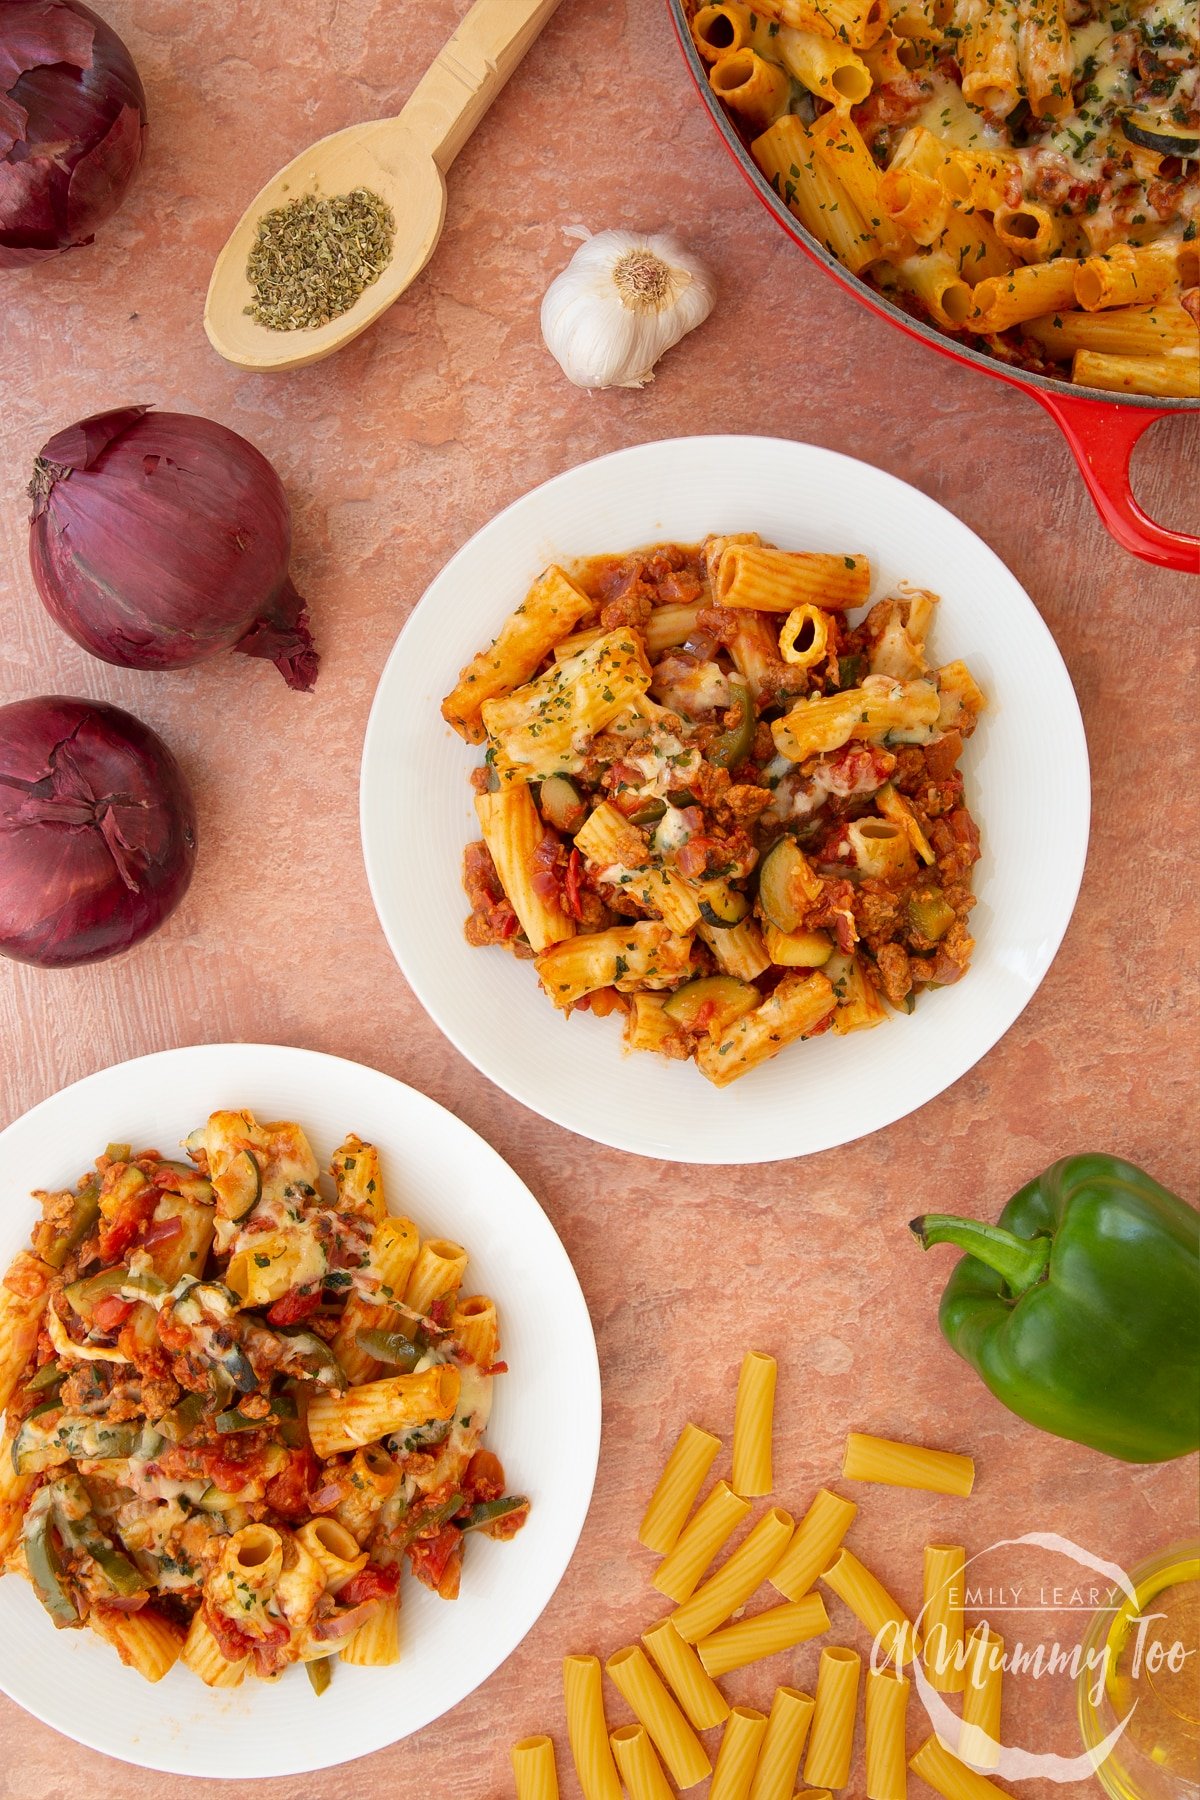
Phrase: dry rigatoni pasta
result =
(949, 1777)
(831, 1738)
(680, 1482)
(886, 1711)
(587, 1729)
(753, 1423)
(783, 1745)
(907, 1465)
(873, 1607)
(640, 1768)
(736, 1579)
(738, 1755)
(533, 1769)
(814, 1544)
(717, 1518)
(983, 1681)
(942, 1615)
(681, 1668)
(763, 1634)
(673, 1738)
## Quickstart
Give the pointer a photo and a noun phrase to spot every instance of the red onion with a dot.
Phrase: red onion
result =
(97, 831)
(72, 121)
(158, 539)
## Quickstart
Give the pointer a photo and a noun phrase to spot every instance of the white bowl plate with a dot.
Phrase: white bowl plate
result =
(1026, 771)
(545, 1423)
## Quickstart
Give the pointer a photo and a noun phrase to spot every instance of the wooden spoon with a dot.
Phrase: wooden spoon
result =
(403, 160)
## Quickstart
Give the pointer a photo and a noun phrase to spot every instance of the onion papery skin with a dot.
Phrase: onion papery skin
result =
(160, 539)
(72, 127)
(97, 831)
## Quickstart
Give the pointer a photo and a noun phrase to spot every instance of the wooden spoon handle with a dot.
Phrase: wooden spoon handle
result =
(463, 80)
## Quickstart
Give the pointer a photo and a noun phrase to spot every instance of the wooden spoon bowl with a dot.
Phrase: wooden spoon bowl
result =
(402, 160)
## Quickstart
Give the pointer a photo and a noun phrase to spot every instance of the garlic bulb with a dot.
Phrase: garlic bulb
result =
(621, 302)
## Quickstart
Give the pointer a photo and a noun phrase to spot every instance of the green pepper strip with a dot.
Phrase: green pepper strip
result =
(85, 1212)
(486, 1511)
(44, 1563)
(319, 1674)
(182, 1419)
(734, 746)
(428, 1522)
(282, 1407)
(76, 1521)
(390, 1347)
(46, 1377)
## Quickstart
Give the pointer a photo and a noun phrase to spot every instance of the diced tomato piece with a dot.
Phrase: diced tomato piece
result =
(573, 889)
(430, 1556)
(374, 1582)
(293, 1306)
(117, 1233)
(288, 1492)
(233, 1643)
(484, 1479)
(111, 1312)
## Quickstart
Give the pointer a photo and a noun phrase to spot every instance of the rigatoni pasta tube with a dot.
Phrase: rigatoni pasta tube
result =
(533, 1769)
(588, 1730)
(678, 1485)
(513, 831)
(548, 612)
(757, 89)
(1125, 276)
(949, 1777)
(536, 730)
(1024, 293)
(438, 1270)
(907, 1465)
(672, 1736)
(831, 1740)
(764, 1634)
(983, 1678)
(1170, 377)
(814, 1544)
(640, 1768)
(768, 580)
(144, 1640)
(474, 1328)
(872, 1606)
(338, 1422)
(886, 1710)
(753, 1420)
(639, 952)
(736, 1579)
(942, 1616)
(203, 1655)
(23, 1292)
(695, 1689)
(376, 1643)
(738, 1755)
(791, 1009)
(783, 1745)
(715, 1522)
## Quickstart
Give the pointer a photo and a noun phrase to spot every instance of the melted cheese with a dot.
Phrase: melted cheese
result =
(949, 117)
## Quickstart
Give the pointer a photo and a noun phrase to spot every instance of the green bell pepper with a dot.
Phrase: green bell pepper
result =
(1079, 1308)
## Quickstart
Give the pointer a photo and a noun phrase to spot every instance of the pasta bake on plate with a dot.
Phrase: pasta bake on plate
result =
(722, 799)
(253, 1408)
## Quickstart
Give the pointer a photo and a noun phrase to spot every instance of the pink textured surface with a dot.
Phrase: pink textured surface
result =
(393, 454)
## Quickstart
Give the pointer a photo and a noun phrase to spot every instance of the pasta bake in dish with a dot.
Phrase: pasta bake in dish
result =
(238, 1405)
(1024, 172)
(713, 805)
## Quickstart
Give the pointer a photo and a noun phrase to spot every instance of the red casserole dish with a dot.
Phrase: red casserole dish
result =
(1101, 429)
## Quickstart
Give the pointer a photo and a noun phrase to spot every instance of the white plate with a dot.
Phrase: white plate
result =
(1027, 785)
(545, 1423)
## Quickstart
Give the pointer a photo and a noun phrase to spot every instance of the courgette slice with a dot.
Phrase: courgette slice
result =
(1166, 136)
(188, 1183)
(711, 1003)
(562, 805)
(240, 1187)
(786, 885)
(723, 906)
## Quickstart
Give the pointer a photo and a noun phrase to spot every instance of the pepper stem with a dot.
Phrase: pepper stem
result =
(1021, 1261)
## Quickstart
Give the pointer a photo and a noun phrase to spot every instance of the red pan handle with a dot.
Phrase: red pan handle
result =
(1102, 435)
